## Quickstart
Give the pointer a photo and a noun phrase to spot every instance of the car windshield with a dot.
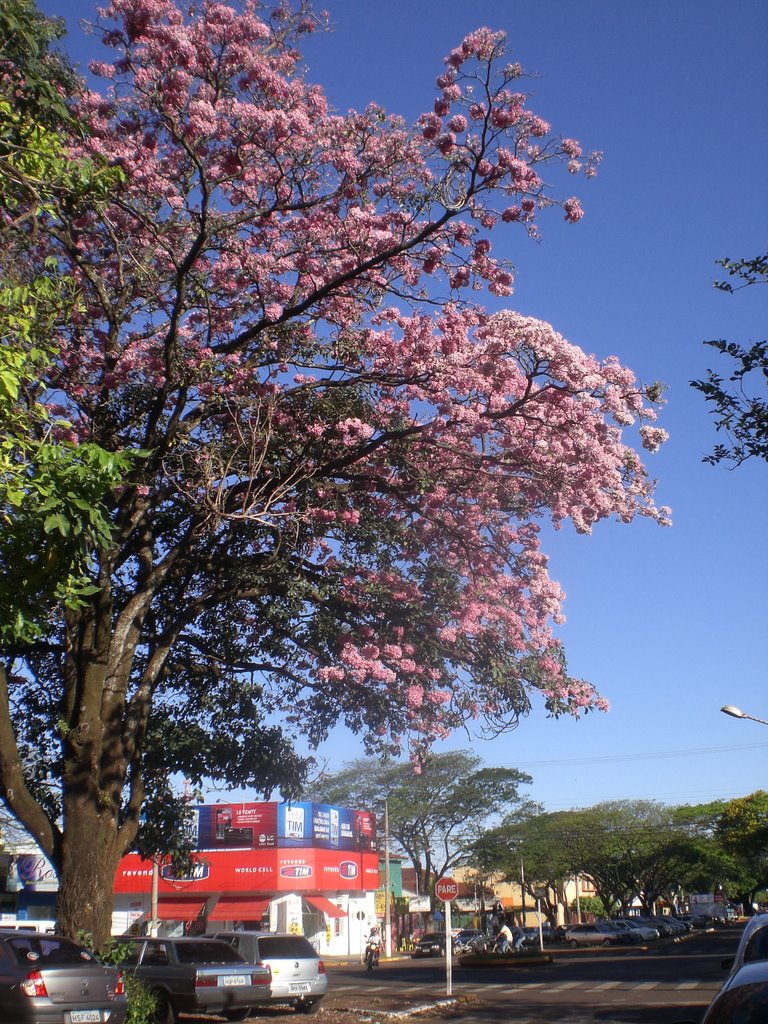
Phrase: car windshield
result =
(47, 950)
(200, 952)
(276, 947)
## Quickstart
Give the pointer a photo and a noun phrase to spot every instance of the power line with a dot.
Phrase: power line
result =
(614, 758)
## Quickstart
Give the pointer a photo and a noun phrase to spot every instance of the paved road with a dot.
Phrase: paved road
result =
(664, 983)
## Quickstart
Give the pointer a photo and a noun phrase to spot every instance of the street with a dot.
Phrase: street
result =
(660, 984)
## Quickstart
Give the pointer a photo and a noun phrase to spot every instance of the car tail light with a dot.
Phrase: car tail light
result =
(262, 979)
(33, 985)
(320, 967)
(206, 980)
(120, 986)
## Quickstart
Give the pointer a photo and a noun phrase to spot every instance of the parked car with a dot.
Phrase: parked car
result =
(632, 935)
(601, 933)
(743, 999)
(668, 926)
(753, 944)
(646, 931)
(197, 976)
(298, 973)
(470, 940)
(431, 944)
(46, 979)
(684, 920)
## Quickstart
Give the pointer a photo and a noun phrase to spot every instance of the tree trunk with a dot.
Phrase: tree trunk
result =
(90, 854)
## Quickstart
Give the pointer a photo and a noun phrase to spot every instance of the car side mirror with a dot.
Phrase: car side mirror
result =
(727, 963)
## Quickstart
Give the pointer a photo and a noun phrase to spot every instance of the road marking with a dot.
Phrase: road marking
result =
(605, 985)
(645, 985)
(560, 985)
(688, 984)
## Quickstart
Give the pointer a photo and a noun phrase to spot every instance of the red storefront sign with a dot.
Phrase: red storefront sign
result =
(259, 870)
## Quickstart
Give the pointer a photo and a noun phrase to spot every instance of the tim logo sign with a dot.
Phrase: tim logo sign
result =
(199, 872)
(348, 869)
(296, 871)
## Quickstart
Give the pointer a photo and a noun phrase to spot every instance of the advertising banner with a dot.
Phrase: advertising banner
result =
(236, 826)
(33, 872)
(268, 825)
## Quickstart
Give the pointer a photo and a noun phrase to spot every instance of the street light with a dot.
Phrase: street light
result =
(729, 709)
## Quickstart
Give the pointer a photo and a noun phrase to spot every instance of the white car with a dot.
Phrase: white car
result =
(298, 973)
(646, 931)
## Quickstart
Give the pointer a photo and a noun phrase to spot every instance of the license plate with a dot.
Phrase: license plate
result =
(85, 1016)
(233, 979)
(299, 986)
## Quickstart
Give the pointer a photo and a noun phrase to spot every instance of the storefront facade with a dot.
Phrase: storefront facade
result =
(302, 867)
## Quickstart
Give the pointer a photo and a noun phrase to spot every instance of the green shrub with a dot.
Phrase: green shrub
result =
(141, 1002)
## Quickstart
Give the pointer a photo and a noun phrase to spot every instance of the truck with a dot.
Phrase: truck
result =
(707, 906)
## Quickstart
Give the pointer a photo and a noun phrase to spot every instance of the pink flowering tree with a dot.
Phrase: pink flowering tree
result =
(345, 461)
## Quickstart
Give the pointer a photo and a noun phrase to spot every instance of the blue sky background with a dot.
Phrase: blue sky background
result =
(669, 624)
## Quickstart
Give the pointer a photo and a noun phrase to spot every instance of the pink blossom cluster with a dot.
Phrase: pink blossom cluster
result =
(260, 311)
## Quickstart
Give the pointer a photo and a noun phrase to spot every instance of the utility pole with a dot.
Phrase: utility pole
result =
(387, 889)
(522, 892)
(153, 898)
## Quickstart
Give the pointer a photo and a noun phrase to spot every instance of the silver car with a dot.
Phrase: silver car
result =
(753, 943)
(195, 975)
(46, 979)
(743, 999)
(298, 973)
(601, 933)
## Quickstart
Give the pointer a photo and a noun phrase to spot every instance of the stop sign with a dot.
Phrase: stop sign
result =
(447, 889)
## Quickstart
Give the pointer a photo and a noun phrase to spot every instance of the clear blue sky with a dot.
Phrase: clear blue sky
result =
(669, 624)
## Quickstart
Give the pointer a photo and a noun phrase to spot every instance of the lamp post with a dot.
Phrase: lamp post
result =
(729, 709)
(387, 883)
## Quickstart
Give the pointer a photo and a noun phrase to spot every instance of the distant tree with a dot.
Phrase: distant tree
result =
(529, 850)
(589, 906)
(742, 829)
(435, 816)
(739, 402)
(703, 863)
(630, 849)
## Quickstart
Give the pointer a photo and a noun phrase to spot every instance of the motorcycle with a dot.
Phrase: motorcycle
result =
(372, 953)
(477, 944)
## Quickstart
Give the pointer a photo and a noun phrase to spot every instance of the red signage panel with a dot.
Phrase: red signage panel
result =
(264, 870)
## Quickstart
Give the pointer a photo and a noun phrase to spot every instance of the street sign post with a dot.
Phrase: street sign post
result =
(447, 889)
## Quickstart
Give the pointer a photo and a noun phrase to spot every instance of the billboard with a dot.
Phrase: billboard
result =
(270, 825)
(235, 826)
(268, 847)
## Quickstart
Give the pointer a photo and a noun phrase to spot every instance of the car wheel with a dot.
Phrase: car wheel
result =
(164, 1012)
(243, 1013)
(573, 943)
(310, 1006)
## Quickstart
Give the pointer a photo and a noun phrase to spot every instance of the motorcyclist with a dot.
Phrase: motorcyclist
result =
(504, 938)
(372, 948)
